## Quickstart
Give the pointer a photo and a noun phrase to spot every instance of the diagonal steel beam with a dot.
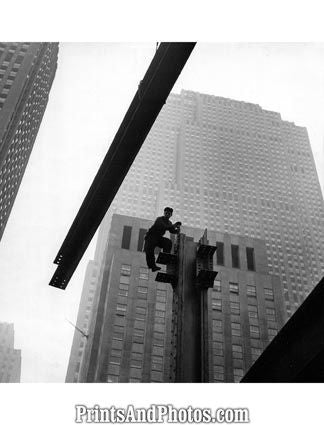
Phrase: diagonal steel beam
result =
(151, 95)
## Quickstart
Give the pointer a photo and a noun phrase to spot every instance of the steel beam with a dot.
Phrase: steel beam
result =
(151, 95)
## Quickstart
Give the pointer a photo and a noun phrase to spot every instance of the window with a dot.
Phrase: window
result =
(119, 322)
(255, 352)
(217, 305)
(157, 351)
(135, 373)
(250, 258)
(236, 329)
(237, 351)
(124, 286)
(218, 373)
(272, 333)
(139, 324)
(271, 314)
(158, 339)
(113, 369)
(160, 306)
(235, 256)
(253, 311)
(268, 294)
(136, 363)
(141, 235)
(142, 289)
(19, 59)
(140, 311)
(158, 327)
(159, 313)
(115, 360)
(238, 374)
(137, 348)
(123, 292)
(125, 270)
(251, 291)
(220, 253)
(127, 232)
(116, 353)
(121, 309)
(234, 288)
(218, 348)
(112, 378)
(156, 376)
(235, 307)
(161, 293)
(143, 273)
(217, 286)
(8, 57)
(255, 331)
(217, 325)
(157, 363)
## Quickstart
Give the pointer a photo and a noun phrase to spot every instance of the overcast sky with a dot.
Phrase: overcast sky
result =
(92, 90)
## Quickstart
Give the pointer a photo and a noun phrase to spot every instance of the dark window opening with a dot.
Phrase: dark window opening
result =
(19, 59)
(220, 253)
(8, 57)
(250, 258)
(127, 232)
(141, 235)
(235, 256)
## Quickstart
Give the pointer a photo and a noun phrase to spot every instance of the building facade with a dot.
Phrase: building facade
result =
(27, 71)
(129, 333)
(10, 358)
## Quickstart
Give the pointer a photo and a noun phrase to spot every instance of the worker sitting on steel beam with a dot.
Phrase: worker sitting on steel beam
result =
(154, 237)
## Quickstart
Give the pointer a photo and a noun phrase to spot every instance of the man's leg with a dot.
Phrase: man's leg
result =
(165, 244)
(149, 248)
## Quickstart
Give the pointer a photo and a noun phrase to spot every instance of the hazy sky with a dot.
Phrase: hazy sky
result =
(92, 90)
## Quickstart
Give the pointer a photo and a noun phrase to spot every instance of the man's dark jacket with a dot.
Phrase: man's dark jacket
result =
(160, 226)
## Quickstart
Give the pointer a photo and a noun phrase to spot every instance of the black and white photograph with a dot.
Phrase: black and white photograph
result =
(161, 224)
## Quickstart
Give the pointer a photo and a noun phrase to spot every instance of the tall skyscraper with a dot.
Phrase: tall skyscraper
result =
(235, 168)
(27, 71)
(10, 358)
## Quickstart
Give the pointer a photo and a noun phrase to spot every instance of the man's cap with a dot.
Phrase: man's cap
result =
(168, 209)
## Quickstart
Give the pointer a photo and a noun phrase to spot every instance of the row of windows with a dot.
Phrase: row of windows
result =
(252, 310)
(235, 256)
(234, 289)
(126, 238)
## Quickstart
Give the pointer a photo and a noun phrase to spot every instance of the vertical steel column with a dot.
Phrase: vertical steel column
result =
(190, 339)
(204, 281)
(187, 316)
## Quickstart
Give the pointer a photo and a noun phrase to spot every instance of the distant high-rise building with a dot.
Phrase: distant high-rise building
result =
(10, 358)
(27, 71)
(232, 167)
(129, 338)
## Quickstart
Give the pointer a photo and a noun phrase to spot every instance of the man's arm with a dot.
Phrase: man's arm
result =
(175, 227)
(161, 225)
